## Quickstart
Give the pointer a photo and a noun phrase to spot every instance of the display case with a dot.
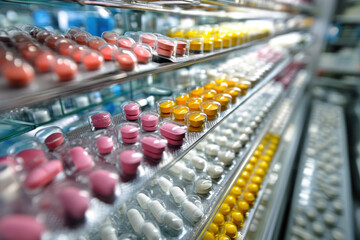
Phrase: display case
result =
(152, 119)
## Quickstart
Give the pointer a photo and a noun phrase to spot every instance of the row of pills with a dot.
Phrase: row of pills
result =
(230, 217)
(319, 208)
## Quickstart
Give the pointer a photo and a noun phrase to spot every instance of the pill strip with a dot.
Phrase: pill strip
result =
(321, 206)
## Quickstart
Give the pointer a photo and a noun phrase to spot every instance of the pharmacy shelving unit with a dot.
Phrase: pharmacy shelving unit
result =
(43, 91)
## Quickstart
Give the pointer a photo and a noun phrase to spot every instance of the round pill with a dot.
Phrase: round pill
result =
(231, 200)
(142, 54)
(77, 52)
(95, 42)
(338, 206)
(219, 219)
(237, 218)
(241, 183)
(81, 38)
(208, 236)
(329, 219)
(311, 213)
(230, 230)
(245, 175)
(125, 43)
(54, 140)
(101, 120)
(194, 103)
(110, 36)
(130, 161)
(226, 157)
(103, 182)
(148, 39)
(64, 46)
(213, 228)
(149, 120)
(107, 51)
(104, 144)
(260, 172)
(318, 229)
(65, 69)
(92, 60)
(212, 149)
(18, 73)
(131, 109)
(337, 234)
(43, 61)
(125, 61)
(129, 132)
(249, 197)
(253, 188)
(165, 53)
(243, 206)
(51, 40)
(20, 227)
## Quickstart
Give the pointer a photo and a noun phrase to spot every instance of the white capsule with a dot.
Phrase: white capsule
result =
(164, 184)
(135, 219)
(244, 138)
(240, 120)
(221, 140)
(198, 162)
(320, 205)
(235, 146)
(301, 233)
(176, 168)
(311, 213)
(178, 195)
(261, 114)
(203, 186)
(173, 221)
(253, 125)
(299, 220)
(215, 171)
(187, 173)
(151, 232)
(210, 137)
(108, 233)
(337, 234)
(143, 200)
(192, 210)
(157, 210)
(226, 157)
(212, 149)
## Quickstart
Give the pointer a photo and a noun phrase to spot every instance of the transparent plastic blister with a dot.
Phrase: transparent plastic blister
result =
(325, 210)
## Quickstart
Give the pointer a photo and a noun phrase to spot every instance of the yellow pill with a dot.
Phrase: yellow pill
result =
(270, 153)
(231, 83)
(194, 103)
(209, 85)
(274, 141)
(208, 236)
(243, 206)
(197, 119)
(241, 183)
(181, 100)
(208, 95)
(249, 197)
(260, 172)
(236, 191)
(231, 200)
(237, 218)
(219, 219)
(233, 92)
(245, 175)
(266, 158)
(179, 112)
(225, 209)
(165, 107)
(210, 108)
(223, 98)
(257, 154)
(253, 160)
(264, 165)
(230, 230)
(223, 237)
(263, 142)
(267, 136)
(272, 147)
(220, 87)
(260, 147)
(213, 228)
(197, 92)
(253, 188)
(256, 179)
(249, 167)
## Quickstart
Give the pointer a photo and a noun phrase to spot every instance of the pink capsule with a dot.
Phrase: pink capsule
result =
(44, 60)
(153, 144)
(80, 158)
(51, 40)
(32, 157)
(42, 35)
(95, 42)
(18, 73)
(64, 46)
(107, 51)
(76, 53)
(20, 227)
(142, 54)
(42, 175)
(81, 38)
(126, 61)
